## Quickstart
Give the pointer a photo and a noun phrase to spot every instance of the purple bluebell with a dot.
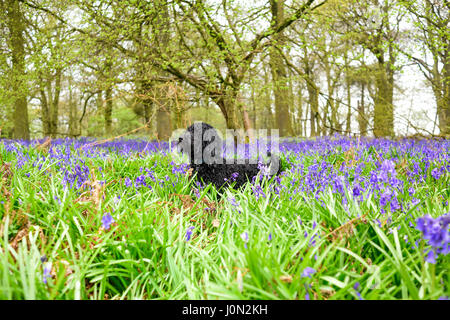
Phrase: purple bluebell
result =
(436, 232)
(436, 173)
(47, 272)
(128, 182)
(107, 220)
(244, 237)
(356, 287)
(308, 272)
(189, 233)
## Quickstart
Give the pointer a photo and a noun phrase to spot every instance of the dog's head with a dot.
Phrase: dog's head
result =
(201, 142)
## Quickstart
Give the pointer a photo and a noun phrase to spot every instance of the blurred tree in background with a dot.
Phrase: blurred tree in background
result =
(306, 67)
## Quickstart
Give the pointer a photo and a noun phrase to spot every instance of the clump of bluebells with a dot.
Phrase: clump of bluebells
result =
(436, 233)
(76, 176)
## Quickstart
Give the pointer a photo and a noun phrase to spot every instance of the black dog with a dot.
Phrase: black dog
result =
(203, 146)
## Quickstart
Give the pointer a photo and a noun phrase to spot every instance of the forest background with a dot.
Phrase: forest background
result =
(306, 67)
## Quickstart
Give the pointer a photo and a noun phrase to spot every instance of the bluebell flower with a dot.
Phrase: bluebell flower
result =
(431, 257)
(387, 168)
(189, 233)
(258, 191)
(357, 191)
(107, 220)
(385, 197)
(356, 287)
(307, 297)
(308, 272)
(128, 182)
(435, 231)
(46, 273)
(436, 173)
(244, 237)
(234, 176)
(395, 204)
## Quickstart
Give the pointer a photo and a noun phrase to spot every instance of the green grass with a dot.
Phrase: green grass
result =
(145, 255)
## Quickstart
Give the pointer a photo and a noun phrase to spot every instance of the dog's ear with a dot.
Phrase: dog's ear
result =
(184, 144)
(180, 145)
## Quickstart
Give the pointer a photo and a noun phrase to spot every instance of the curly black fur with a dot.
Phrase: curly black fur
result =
(218, 172)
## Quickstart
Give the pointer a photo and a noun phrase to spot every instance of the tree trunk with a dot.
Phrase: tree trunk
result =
(334, 116)
(362, 122)
(279, 73)
(164, 124)
(162, 35)
(292, 105)
(313, 94)
(299, 126)
(439, 45)
(227, 103)
(305, 123)
(45, 113)
(108, 110)
(443, 107)
(348, 125)
(330, 102)
(180, 117)
(245, 118)
(19, 86)
(143, 88)
(146, 99)
(383, 120)
(338, 124)
(179, 110)
(231, 117)
(54, 107)
(163, 119)
(73, 128)
(100, 101)
(253, 106)
(324, 128)
(383, 102)
(267, 102)
(443, 102)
